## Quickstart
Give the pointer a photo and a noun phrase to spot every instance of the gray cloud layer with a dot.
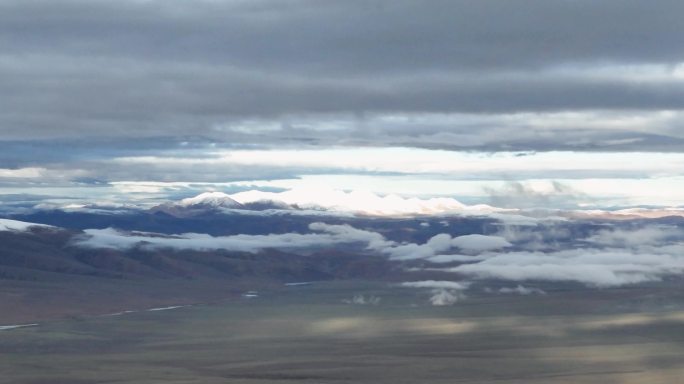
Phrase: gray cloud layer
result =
(332, 72)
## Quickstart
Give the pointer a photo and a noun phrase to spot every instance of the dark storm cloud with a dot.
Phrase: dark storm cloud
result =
(84, 69)
(352, 36)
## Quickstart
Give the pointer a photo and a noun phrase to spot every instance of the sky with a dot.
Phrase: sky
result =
(517, 104)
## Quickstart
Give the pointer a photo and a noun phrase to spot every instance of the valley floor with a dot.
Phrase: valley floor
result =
(303, 334)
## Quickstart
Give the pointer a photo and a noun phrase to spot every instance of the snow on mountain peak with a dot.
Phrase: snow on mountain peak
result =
(331, 200)
(213, 199)
(363, 202)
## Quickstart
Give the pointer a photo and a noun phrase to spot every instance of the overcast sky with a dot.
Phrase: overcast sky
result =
(590, 92)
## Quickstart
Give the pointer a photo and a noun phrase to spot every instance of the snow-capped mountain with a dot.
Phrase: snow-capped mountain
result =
(207, 202)
(363, 202)
(210, 199)
(353, 202)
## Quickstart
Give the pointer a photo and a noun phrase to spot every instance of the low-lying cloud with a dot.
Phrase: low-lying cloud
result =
(436, 284)
(522, 290)
(610, 257)
(444, 297)
(323, 235)
(444, 242)
(653, 235)
(19, 226)
(592, 267)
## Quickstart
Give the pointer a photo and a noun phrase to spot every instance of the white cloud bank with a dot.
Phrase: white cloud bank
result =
(363, 300)
(443, 243)
(324, 236)
(436, 284)
(443, 292)
(610, 258)
(403, 160)
(592, 267)
(480, 243)
(21, 226)
(444, 297)
(639, 237)
(522, 290)
(443, 259)
(364, 202)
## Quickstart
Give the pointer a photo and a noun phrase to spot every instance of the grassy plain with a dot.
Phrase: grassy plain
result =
(308, 335)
